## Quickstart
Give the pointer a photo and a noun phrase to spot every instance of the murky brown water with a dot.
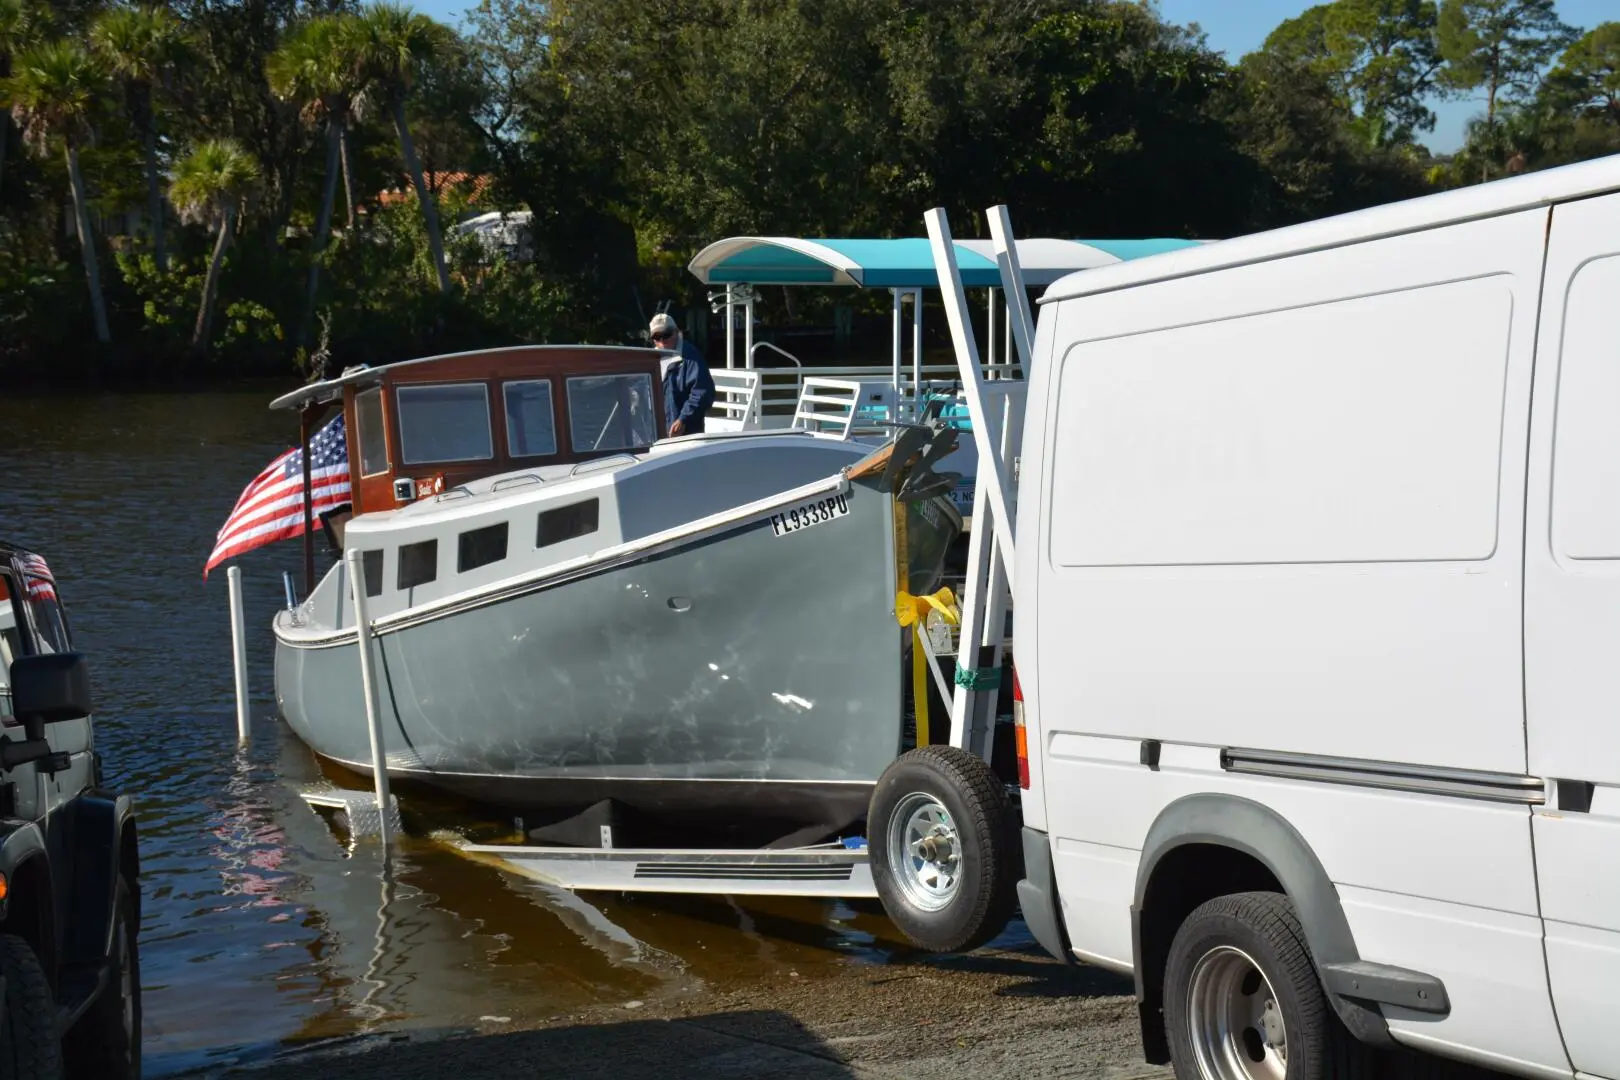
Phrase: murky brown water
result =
(260, 925)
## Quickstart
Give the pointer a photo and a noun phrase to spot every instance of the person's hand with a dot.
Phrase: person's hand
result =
(676, 428)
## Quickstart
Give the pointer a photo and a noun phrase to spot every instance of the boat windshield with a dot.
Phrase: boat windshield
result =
(444, 422)
(530, 426)
(611, 412)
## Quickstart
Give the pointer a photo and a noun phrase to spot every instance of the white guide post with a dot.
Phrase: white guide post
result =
(244, 731)
(993, 472)
(1020, 324)
(368, 684)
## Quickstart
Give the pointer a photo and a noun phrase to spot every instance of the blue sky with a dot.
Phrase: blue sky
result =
(1235, 27)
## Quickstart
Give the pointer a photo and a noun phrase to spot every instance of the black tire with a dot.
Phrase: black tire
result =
(30, 1045)
(106, 1042)
(987, 857)
(1264, 928)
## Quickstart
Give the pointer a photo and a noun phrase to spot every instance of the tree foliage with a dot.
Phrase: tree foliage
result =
(633, 132)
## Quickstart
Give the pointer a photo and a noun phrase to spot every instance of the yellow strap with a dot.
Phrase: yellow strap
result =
(911, 611)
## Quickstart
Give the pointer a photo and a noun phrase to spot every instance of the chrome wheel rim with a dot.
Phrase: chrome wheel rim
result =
(1234, 1020)
(925, 855)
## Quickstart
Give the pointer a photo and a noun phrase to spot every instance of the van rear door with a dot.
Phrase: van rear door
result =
(1572, 625)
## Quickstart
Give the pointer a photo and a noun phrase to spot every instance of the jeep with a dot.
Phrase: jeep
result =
(69, 865)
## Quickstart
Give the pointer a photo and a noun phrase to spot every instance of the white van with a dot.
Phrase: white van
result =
(1317, 594)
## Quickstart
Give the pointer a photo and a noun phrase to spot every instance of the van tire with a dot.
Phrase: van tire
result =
(961, 891)
(106, 1042)
(30, 1045)
(1222, 943)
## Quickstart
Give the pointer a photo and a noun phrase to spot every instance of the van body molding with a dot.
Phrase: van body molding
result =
(1390, 775)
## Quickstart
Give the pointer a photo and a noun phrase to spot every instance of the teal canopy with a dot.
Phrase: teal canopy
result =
(904, 263)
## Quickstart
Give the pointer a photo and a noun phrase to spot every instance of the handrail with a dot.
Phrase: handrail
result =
(513, 481)
(594, 463)
(758, 345)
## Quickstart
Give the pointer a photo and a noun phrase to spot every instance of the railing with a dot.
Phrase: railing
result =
(736, 398)
(781, 388)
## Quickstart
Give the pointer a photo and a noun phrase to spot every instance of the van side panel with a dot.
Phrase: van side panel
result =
(1572, 625)
(1284, 515)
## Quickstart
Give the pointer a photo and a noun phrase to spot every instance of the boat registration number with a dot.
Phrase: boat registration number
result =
(802, 517)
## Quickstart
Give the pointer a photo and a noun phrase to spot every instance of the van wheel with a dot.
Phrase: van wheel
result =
(1242, 1000)
(944, 848)
(106, 1042)
(30, 1046)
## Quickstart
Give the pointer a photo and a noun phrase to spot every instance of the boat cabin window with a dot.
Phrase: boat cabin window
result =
(567, 522)
(444, 422)
(371, 563)
(480, 547)
(611, 412)
(368, 418)
(418, 563)
(531, 425)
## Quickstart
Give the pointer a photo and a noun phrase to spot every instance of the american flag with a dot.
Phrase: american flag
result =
(37, 577)
(272, 507)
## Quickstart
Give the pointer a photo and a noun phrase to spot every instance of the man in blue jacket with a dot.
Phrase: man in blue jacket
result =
(688, 386)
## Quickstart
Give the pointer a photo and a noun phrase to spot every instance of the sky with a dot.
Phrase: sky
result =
(1235, 27)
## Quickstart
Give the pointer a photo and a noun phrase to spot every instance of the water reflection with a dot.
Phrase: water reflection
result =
(261, 922)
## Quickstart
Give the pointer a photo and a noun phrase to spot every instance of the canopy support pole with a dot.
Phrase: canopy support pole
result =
(990, 334)
(894, 379)
(916, 347)
(748, 326)
(731, 342)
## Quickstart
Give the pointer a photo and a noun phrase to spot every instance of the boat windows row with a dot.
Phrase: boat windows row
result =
(418, 563)
(453, 422)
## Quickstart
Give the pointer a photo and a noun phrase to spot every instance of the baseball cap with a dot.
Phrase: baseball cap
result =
(660, 323)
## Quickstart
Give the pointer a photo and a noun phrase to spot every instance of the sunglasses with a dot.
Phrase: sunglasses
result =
(664, 335)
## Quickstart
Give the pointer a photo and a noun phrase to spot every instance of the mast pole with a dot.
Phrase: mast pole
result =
(309, 513)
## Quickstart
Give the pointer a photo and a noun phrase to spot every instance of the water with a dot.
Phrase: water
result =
(260, 925)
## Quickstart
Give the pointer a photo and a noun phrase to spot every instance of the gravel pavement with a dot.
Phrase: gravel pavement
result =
(989, 1014)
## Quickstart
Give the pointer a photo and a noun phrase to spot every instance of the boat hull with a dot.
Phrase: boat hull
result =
(745, 672)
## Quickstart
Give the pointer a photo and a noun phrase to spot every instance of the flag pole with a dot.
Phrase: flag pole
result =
(309, 513)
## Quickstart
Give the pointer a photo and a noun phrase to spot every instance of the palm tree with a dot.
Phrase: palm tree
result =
(19, 27)
(53, 91)
(140, 45)
(209, 185)
(391, 40)
(316, 65)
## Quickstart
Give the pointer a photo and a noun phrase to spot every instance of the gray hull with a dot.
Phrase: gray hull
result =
(746, 672)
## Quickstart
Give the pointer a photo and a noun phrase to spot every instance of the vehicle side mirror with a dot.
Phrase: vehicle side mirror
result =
(50, 688)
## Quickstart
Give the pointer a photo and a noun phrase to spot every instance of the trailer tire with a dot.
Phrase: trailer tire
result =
(30, 1046)
(944, 849)
(1240, 986)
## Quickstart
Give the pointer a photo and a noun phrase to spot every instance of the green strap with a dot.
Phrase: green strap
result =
(978, 678)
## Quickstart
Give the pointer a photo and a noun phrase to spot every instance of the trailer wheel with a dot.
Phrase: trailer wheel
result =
(30, 1047)
(944, 849)
(1242, 1000)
